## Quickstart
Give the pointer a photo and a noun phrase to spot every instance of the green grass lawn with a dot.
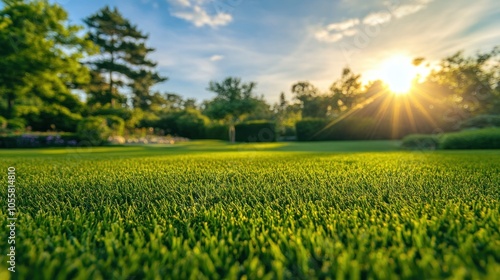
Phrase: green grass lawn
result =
(211, 210)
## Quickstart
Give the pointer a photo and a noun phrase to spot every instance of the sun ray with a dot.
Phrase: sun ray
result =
(410, 115)
(395, 118)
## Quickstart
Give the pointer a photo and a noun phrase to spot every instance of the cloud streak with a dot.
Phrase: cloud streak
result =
(198, 13)
(337, 31)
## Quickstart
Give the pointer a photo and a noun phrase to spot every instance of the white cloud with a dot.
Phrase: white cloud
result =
(377, 18)
(343, 25)
(216, 57)
(406, 10)
(182, 3)
(350, 32)
(197, 12)
(325, 36)
(336, 31)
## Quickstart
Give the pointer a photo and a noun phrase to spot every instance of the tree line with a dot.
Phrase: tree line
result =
(46, 63)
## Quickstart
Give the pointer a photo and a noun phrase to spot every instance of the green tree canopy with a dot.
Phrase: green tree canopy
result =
(40, 55)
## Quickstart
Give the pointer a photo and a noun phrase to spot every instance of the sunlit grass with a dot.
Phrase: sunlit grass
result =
(204, 210)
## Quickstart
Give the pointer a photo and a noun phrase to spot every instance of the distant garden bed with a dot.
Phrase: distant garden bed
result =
(37, 140)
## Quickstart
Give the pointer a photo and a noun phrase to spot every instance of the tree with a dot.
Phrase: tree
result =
(40, 54)
(123, 57)
(346, 91)
(286, 115)
(142, 81)
(234, 100)
(469, 85)
(313, 103)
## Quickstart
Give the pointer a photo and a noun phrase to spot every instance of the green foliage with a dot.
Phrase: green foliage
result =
(313, 104)
(468, 84)
(307, 129)
(53, 117)
(352, 128)
(234, 99)
(420, 142)
(94, 130)
(116, 124)
(132, 117)
(488, 138)
(124, 47)
(141, 212)
(16, 124)
(3, 122)
(482, 121)
(189, 123)
(40, 53)
(256, 131)
(192, 124)
(218, 131)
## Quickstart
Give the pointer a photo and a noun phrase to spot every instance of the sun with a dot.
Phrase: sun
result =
(398, 73)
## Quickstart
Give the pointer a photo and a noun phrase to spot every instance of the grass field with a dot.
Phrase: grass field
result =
(209, 210)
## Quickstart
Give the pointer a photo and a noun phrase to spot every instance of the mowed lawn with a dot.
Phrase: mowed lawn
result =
(210, 210)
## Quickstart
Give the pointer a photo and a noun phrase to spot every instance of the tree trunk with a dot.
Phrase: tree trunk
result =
(232, 133)
(10, 106)
(111, 73)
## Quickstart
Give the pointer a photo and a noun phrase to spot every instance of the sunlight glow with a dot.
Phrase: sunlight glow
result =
(398, 73)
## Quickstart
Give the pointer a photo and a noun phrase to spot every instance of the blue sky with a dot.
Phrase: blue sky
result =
(277, 43)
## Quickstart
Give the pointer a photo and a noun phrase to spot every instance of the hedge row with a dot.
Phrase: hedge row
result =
(193, 125)
(488, 138)
(256, 131)
(347, 129)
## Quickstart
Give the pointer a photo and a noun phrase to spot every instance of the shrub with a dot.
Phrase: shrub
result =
(482, 121)
(16, 124)
(421, 142)
(256, 131)
(50, 117)
(132, 117)
(3, 122)
(116, 124)
(308, 129)
(187, 123)
(94, 129)
(347, 129)
(191, 124)
(488, 138)
(217, 131)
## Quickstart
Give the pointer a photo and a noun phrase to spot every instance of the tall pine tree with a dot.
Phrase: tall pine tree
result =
(123, 58)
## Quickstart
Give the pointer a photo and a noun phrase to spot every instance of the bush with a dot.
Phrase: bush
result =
(256, 131)
(421, 142)
(16, 124)
(116, 124)
(187, 123)
(488, 138)
(308, 129)
(217, 131)
(482, 121)
(94, 129)
(132, 117)
(191, 124)
(49, 118)
(347, 129)
(3, 122)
